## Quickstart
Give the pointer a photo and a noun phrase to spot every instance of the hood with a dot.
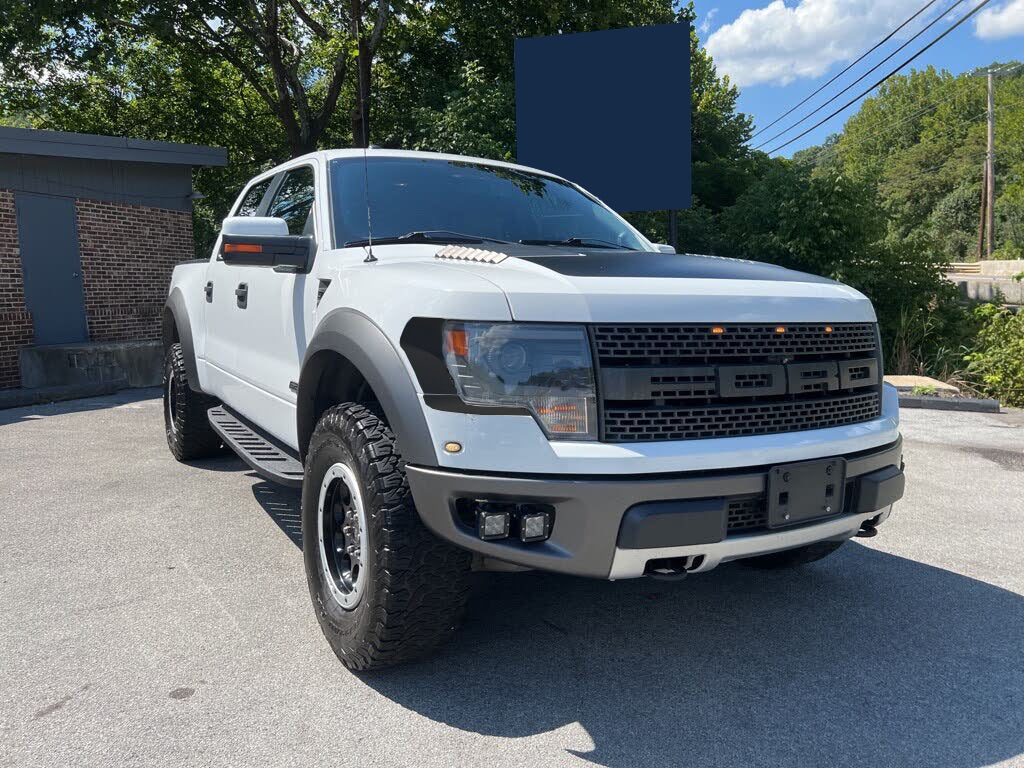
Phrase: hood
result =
(556, 285)
(600, 285)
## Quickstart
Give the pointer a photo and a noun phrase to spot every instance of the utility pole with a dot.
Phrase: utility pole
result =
(990, 170)
(987, 226)
(983, 218)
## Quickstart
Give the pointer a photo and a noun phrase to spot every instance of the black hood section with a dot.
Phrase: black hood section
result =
(606, 263)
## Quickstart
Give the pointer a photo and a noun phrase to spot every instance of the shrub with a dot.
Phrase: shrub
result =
(1008, 251)
(996, 365)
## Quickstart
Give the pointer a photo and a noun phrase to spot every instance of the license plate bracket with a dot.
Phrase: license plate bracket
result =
(806, 490)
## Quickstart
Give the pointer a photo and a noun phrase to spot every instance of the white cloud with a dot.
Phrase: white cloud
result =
(779, 43)
(705, 25)
(1003, 21)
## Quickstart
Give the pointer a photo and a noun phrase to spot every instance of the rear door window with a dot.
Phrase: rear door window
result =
(293, 200)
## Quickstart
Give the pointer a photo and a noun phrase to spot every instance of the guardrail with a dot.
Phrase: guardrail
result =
(964, 268)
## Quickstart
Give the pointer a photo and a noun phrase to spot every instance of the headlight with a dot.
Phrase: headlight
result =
(545, 368)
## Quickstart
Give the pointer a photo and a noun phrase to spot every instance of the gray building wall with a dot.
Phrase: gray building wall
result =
(155, 185)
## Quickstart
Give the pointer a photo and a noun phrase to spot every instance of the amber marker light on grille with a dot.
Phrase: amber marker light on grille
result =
(780, 329)
(718, 329)
(828, 329)
(243, 248)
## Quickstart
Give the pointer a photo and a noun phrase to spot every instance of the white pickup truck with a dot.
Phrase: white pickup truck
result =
(472, 365)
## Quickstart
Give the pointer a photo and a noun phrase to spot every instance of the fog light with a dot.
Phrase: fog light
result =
(534, 525)
(492, 520)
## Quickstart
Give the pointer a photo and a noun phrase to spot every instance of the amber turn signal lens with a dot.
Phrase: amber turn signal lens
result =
(242, 248)
(828, 329)
(457, 341)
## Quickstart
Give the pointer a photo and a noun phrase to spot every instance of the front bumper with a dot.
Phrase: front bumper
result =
(589, 538)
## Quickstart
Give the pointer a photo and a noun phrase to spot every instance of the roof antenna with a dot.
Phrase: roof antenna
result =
(363, 110)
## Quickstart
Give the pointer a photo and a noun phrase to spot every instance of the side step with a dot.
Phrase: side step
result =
(269, 458)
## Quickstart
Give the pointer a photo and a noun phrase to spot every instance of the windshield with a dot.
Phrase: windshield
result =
(417, 195)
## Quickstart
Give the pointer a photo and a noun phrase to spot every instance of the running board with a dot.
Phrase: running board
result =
(269, 458)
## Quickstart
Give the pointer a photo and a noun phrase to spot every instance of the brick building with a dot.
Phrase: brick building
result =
(90, 228)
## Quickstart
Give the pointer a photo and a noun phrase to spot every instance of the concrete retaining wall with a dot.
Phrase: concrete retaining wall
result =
(121, 363)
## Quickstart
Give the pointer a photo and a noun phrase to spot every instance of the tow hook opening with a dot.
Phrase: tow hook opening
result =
(672, 568)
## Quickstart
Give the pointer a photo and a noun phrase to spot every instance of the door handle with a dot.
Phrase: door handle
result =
(242, 295)
(209, 291)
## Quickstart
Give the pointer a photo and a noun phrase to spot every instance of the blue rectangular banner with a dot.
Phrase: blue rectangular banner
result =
(610, 111)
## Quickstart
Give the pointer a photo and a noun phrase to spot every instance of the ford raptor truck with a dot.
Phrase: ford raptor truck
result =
(472, 365)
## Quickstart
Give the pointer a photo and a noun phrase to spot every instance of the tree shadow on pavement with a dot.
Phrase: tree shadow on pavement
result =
(100, 402)
(863, 659)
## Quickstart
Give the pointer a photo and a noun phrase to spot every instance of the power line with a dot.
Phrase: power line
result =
(876, 46)
(821, 106)
(868, 90)
(919, 113)
(979, 153)
(1005, 70)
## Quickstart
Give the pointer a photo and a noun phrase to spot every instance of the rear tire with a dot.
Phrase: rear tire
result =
(384, 588)
(188, 430)
(793, 558)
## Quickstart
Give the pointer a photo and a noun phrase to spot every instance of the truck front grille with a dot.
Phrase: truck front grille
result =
(671, 344)
(692, 382)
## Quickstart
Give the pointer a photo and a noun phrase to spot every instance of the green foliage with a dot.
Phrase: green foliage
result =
(997, 363)
(296, 58)
(921, 141)
(823, 223)
(477, 118)
(954, 220)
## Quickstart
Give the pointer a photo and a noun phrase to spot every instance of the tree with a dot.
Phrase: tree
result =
(477, 118)
(921, 140)
(294, 55)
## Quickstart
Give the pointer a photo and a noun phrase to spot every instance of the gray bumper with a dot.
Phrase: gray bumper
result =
(589, 539)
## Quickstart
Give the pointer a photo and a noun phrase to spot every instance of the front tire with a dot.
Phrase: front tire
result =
(793, 558)
(385, 589)
(188, 430)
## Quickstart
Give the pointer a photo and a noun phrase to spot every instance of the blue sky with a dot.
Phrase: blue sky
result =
(779, 51)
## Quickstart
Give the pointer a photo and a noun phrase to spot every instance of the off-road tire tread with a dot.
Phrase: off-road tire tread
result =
(794, 558)
(419, 589)
(195, 438)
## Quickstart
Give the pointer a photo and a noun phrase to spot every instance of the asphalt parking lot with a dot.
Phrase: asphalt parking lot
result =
(153, 613)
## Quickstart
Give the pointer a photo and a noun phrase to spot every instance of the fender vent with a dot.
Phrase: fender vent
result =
(462, 253)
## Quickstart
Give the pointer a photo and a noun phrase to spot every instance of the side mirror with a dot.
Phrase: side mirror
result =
(263, 241)
(663, 248)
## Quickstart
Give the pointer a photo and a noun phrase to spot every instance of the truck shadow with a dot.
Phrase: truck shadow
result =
(282, 505)
(864, 659)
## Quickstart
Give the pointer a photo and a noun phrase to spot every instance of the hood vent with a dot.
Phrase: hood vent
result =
(478, 255)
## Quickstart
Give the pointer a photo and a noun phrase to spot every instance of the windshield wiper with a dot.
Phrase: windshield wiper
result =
(593, 242)
(425, 236)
